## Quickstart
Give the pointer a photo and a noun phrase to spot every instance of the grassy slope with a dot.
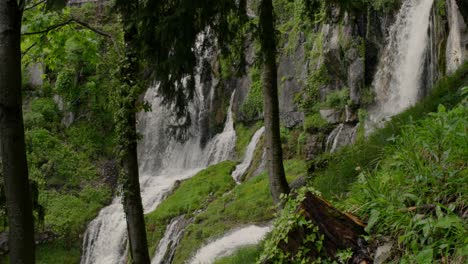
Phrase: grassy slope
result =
(248, 203)
(338, 176)
(426, 169)
(192, 194)
(334, 180)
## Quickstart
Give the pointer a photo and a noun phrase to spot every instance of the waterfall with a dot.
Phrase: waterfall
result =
(344, 134)
(162, 162)
(249, 153)
(227, 245)
(454, 53)
(398, 78)
(105, 237)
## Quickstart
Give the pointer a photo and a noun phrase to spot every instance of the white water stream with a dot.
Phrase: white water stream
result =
(248, 157)
(229, 243)
(397, 82)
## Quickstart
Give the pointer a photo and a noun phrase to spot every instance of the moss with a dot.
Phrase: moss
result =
(192, 194)
(337, 99)
(247, 203)
(252, 107)
(315, 122)
(308, 100)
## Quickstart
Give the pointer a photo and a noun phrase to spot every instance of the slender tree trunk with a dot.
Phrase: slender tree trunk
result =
(12, 146)
(278, 183)
(129, 94)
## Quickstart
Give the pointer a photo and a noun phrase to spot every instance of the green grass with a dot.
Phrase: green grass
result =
(68, 214)
(192, 194)
(58, 252)
(248, 203)
(340, 169)
(245, 255)
(244, 134)
(426, 166)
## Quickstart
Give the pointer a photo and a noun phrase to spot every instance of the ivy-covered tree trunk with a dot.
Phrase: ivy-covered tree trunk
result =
(126, 123)
(274, 154)
(12, 145)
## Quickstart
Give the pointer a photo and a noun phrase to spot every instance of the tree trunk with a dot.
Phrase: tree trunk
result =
(12, 145)
(274, 154)
(131, 187)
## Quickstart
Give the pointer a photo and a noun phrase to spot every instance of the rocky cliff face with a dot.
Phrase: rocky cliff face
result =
(326, 75)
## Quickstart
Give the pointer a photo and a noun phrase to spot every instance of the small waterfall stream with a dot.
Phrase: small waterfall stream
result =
(167, 245)
(248, 157)
(397, 81)
(229, 243)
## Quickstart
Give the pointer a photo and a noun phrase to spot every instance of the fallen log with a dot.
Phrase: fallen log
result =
(340, 231)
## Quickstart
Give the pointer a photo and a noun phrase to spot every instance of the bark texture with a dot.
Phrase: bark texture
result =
(274, 153)
(341, 231)
(12, 145)
(132, 198)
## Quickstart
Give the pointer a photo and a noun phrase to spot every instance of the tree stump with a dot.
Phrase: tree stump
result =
(341, 231)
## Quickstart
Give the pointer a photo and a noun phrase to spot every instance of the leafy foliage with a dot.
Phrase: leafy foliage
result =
(252, 107)
(290, 219)
(419, 192)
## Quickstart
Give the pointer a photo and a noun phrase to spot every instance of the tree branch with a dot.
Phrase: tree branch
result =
(81, 23)
(95, 30)
(48, 29)
(28, 49)
(34, 5)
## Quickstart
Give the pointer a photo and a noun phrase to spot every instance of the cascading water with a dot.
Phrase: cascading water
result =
(454, 53)
(227, 245)
(162, 162)
(249, 153)
(166, 248)
(105, 238)
(397, 82)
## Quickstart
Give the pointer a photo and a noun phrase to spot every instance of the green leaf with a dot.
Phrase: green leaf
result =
(425, 256)
(372, 220)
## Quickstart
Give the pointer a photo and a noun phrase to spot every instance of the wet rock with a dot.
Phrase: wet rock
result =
(356, 75)
(110, 173)
(344, 134)
(332, 115)
(313, 146)
(292, 119)
(383, 253)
